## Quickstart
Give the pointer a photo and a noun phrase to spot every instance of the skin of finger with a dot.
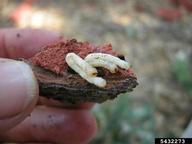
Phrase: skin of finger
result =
(7, 124)
(24, 43)
(24, 88)
(60, 104)
(54, 125)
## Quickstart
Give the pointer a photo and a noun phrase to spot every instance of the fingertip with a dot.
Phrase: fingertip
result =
(16, 43)
(19, 92)
(56, 126)
(65, 126)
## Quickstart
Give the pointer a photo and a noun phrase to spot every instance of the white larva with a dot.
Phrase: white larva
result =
(84, 69)
(79, 62)
(98, 81)
(101, 63)
(109, 58)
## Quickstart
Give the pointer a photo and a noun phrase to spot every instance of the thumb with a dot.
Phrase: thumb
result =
(18, 92)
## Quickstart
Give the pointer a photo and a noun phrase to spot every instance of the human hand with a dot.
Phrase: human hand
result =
(24, 117)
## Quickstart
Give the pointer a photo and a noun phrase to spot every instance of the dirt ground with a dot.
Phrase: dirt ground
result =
(149, 43)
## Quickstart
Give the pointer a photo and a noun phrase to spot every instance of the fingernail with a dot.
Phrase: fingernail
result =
(18, 87)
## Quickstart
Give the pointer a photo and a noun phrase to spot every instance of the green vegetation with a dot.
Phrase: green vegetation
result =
(124, 121)
(183, 73)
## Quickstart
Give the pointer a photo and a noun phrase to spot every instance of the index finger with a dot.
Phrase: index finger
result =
(24, 43)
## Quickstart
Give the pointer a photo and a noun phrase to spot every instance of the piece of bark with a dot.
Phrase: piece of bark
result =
(64, 84)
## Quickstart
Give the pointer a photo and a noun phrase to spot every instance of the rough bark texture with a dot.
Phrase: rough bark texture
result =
(72, 88)
(58, 81)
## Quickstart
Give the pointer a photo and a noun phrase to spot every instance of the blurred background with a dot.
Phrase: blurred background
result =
(155, 36)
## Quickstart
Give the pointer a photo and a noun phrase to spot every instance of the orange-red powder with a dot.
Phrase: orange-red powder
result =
(52, 57)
